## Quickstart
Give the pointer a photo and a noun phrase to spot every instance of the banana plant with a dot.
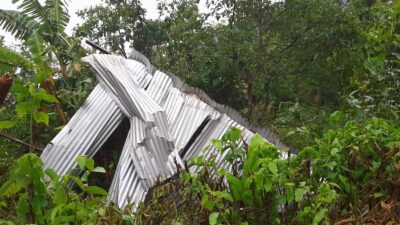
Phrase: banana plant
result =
(41, 27)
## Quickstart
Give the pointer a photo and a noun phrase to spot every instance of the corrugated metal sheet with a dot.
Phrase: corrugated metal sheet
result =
(165, 116)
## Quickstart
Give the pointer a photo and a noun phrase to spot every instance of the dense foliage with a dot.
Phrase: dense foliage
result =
(323, 75)
(349, 175)
(32, 198)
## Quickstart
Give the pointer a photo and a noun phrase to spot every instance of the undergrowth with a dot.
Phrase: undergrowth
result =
(348, 175)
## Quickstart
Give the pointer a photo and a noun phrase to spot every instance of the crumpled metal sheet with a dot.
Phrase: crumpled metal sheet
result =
(170, 122)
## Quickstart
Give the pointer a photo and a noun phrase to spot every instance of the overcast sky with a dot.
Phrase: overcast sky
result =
(74, 6)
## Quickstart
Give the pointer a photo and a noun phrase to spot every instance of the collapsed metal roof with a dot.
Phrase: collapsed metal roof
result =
(169, 122)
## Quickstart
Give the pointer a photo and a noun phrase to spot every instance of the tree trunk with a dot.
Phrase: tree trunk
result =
(6, 82)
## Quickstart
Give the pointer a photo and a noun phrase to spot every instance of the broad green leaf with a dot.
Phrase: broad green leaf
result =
(41, 117)
(59, 14)
(25, 107)
(272, 166)
(345, 183)
(234, 134)
(207, 203)
(213, 219)
(10, 187)
(41, 94)
(96, 190)
(223, 194)
(17, 23)
(256, 141)
(22, 205)
(268, 185)
(19, 88)
(78, 182)
(7, 124)
(52, 175)
(85, 162)
(336, 117)
(36, 45)
(60, 197)
(299, 194)
(218, 144)
(235, 185)
(319, 216)
(98, 170)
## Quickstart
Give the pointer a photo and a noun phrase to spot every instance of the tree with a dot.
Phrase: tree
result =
(125, 28)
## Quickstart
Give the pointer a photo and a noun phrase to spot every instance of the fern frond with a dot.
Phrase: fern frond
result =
(18, 24)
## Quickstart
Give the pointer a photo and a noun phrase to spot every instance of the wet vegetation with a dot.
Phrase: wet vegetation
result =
(323, 75)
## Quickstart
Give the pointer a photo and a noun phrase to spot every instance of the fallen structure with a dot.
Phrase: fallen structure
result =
(169, 122)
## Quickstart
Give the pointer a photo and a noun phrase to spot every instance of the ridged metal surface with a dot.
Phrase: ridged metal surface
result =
(165, 118)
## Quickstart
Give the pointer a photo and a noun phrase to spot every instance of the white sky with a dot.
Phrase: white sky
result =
(73, 7)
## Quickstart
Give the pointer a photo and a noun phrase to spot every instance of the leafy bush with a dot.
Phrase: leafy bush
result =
(350, 174)
(32, 195)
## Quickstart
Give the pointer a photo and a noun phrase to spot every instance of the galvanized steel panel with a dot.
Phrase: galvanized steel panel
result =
(164, 115)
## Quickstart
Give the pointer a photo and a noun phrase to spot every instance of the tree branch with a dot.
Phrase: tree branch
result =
(18, 141)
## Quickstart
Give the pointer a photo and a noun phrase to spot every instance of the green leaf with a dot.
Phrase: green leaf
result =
(52, 175)
(98, 170)
(319, 216)
(236, 186)
(334, 151)
(7, 124)
(58, 13)
(272, 166)
(19, 88)
(10, 60)
(96, 190)
(336, 117)
(85, 162)
(217, 144)
(256, 141)
(223, 194)
(22, 205)
(41, 117)
(213, 219)
(78, 182)
(36, 45)
(268, 185)
(345, 183)
(33, 8)
(207, 203)
(299, 194)
(37, 48)
(60, 197)
(10, 187)
(234, 134)
(41, 94)
(19, 24)
(25, 107)
(378, 194)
